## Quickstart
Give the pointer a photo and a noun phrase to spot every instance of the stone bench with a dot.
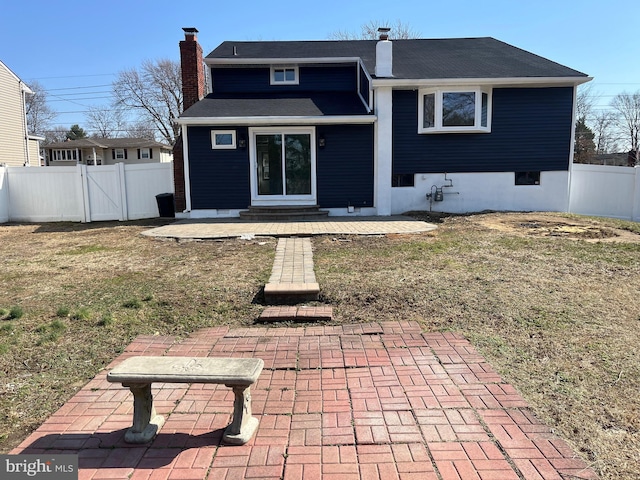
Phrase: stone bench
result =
(138, 373)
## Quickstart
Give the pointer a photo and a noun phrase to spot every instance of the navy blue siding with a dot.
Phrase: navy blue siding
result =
(332, 78)
(345, 166)
(219, 178)
(530, 131)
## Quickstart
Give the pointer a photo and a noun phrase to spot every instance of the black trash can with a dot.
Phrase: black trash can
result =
(166, 207)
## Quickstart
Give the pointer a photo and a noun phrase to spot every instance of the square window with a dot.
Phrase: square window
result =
(284, 76)
(119, 154)
(221, 139)
(145, 153)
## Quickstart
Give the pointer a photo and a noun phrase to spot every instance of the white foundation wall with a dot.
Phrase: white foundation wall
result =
(475, 192)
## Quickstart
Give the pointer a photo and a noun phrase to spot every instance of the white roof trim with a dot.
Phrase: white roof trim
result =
(273, 120)
(278, 61)
(506, 81)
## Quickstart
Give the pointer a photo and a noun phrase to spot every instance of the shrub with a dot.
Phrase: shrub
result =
(15, 313)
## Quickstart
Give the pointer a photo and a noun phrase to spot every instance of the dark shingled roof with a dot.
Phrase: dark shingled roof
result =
(307, 104)
(483, 57)
(109, 143)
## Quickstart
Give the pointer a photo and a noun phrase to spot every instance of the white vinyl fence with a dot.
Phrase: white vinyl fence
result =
(127, 192)
(605, 191)
(83, 193)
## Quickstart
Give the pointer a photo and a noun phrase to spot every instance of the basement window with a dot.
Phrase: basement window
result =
(403, 180)
(527, 178)
(465, 110)
(284, 76)
(223, 139)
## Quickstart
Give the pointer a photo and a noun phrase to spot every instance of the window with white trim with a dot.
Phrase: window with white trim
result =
(118, 154)
(65, 155)
(284, 76)
(221, 139)
(145, 153)
(452, 110)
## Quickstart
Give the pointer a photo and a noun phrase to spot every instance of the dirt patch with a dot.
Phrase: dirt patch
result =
(551, 225)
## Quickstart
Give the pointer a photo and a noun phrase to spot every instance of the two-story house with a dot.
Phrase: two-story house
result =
(17, 147)
(370, 127)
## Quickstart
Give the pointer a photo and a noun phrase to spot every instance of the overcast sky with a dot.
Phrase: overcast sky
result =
(76, 49)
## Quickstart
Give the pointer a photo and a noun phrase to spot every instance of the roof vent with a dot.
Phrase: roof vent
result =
(235, 50)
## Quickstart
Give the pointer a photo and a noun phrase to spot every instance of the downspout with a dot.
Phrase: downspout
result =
(24, 122)
(187, 179)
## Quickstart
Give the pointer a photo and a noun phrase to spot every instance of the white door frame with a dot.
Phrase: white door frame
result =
(266, 200)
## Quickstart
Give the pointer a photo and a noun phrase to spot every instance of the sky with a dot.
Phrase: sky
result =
(75, 50)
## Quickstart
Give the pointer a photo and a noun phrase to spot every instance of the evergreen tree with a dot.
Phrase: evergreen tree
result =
(76, 132)
(584, 148)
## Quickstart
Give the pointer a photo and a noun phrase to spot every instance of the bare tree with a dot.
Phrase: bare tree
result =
(585, 100)
(155, 91)
(603, 128)
(142, 129)
(39, 113)
(369, 31)
(106, 122)
(56, 134)
(628, 107)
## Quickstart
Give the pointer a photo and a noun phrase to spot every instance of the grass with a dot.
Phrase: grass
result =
(557, 315)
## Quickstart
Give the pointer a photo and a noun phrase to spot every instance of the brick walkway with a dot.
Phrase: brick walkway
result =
(292, 275)
(362, 401)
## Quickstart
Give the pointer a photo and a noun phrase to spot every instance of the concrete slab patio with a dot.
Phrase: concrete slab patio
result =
(362, 401)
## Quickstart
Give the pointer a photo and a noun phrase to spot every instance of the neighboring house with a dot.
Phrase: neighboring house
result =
(17, 147)
(107, 151)
(370, 127)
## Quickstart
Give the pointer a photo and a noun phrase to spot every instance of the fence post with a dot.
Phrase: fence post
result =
(84, 193)
(635, 211)
(4, 195)
(122, 188)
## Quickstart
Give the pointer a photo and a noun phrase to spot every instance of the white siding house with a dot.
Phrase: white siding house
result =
(107, 151)
(17, 147)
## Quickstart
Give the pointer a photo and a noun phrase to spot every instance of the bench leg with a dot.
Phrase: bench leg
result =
(243, 425)
(146, 422)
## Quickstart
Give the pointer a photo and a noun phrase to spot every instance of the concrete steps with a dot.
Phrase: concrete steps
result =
(284, 213)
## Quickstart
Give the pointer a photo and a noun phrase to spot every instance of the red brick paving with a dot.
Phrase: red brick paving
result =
(346, 402)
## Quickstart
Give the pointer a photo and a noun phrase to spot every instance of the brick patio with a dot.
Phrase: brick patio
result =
(360, 401)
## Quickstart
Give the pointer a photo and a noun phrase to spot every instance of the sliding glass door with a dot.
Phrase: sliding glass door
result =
(283, 166)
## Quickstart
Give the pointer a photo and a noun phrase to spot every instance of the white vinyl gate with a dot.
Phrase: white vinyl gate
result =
(83, 193)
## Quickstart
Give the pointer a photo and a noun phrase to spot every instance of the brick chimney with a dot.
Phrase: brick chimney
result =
(192, 68)
(193, 80)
